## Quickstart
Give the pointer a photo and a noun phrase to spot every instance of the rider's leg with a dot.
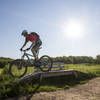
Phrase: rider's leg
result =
(34, 54)
(35, 49)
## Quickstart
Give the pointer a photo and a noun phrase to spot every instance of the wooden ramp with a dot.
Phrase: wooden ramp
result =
(59, 73)
(52, 73)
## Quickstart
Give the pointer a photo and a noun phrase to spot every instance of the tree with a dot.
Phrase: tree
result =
(98, 59)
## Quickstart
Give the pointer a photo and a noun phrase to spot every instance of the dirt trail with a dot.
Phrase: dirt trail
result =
(88, 91)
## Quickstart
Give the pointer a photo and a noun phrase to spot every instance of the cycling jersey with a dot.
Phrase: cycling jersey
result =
(32, 38)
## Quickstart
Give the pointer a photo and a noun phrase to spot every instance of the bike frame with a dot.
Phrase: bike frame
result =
(27, 56)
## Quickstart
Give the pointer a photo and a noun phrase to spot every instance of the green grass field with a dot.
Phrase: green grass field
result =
(93, 69)
(9, 87)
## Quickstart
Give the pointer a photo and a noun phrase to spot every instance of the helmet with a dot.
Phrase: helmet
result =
(24, 32)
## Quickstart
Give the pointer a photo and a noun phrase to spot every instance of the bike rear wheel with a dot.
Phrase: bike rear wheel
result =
(45, 63)
(18, 68)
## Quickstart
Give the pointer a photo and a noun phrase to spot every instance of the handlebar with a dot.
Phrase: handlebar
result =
(27, 49)
(24, 50)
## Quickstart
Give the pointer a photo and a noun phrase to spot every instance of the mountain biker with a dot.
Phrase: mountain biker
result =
(36, 42)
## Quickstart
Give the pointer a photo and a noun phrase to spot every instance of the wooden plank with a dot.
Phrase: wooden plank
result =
(32, 75)
(53, 73)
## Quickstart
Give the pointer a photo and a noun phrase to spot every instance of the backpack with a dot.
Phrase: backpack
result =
(34, 33)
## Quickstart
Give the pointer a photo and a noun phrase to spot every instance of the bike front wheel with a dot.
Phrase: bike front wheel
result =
(45, 63)
(18, 68)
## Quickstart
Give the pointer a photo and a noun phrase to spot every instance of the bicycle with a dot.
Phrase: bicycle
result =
(18, 68)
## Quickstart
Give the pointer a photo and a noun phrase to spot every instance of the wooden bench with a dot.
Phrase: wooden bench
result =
(58, 65)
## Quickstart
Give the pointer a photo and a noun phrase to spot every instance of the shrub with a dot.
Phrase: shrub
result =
(4, 61)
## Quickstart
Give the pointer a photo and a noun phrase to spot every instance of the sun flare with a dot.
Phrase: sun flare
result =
(73, 29)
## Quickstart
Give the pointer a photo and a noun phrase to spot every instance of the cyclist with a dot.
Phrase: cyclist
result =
(36, 42)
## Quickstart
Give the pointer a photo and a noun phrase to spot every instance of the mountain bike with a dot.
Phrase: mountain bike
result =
(18, 68)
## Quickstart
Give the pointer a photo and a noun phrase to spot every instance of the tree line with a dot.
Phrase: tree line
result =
(64, 59)
(4, 61)
(77, 59)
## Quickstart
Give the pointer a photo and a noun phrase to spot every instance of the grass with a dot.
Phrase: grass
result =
(93, 69)
(1, 71)
(9, 87)
(87, 72)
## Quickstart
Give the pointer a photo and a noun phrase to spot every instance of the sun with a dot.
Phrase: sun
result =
(73, 29)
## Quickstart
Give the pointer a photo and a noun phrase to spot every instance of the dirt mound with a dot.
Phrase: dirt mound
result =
(88, 91)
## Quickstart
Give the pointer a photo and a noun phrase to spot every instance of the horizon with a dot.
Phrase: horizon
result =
(66, 27)
(54, 57)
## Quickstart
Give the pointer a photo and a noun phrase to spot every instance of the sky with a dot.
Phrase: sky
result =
(66, 27)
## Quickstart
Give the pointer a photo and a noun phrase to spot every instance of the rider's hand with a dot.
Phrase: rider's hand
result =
(21, 49)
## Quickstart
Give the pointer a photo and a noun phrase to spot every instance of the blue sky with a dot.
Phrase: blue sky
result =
(47, 17)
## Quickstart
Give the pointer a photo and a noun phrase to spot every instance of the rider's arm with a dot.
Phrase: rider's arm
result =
(33, 43)
(24, 45)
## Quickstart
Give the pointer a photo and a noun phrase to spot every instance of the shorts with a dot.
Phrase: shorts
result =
(37, 45)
